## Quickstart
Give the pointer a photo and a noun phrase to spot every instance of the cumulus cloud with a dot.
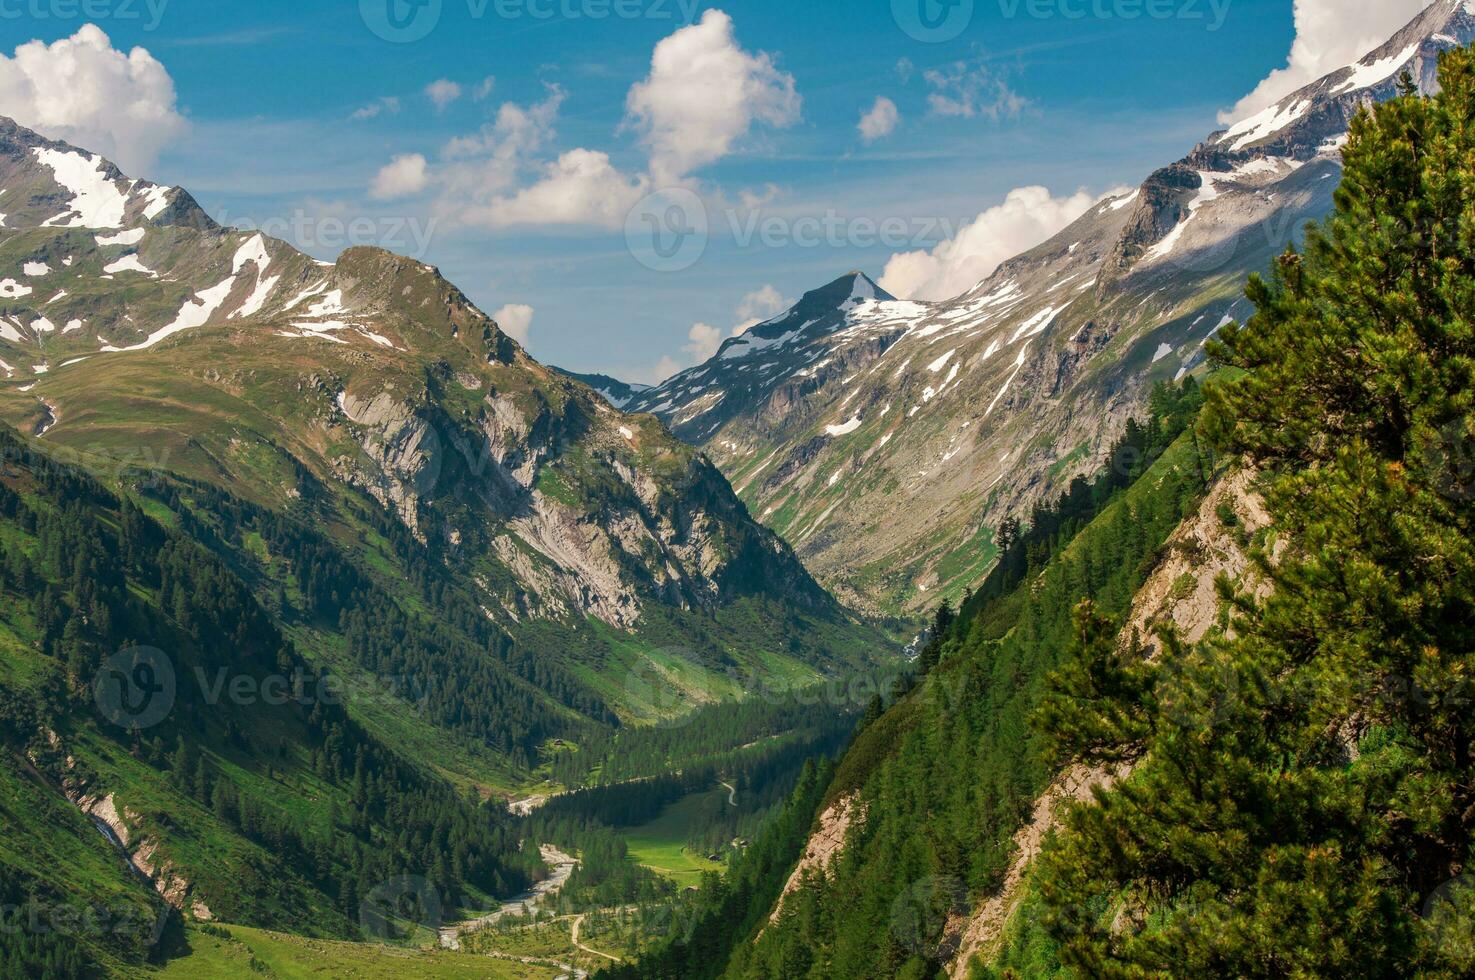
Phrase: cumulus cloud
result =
(404, 176)
(581, 187)
(703, 339)
(442, 92)
(84, 91)
(967, 92)
(657, 372)
(880, 120)
(759, 305)
(483, 89)
(516, 321)
(703, 94)
(1329, 35)
(1027, 216)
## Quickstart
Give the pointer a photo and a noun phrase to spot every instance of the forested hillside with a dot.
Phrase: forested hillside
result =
(946, 772)
(1305, 808)
(146, 691)
(1289, 795)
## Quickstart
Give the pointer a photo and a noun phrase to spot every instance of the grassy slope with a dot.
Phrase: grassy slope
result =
(259, 953)
(949, 771)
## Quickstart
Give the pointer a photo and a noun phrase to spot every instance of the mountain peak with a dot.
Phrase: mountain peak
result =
(853, 288)
(52, 183)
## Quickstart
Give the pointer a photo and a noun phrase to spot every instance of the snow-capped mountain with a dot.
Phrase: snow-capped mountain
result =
(886, 440)
(766, 373)
(618, 393)
(132, 325)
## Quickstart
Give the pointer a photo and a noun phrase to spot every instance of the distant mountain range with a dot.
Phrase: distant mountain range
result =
(886, 440)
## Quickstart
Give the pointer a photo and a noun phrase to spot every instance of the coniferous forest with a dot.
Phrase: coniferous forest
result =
(1091, 594)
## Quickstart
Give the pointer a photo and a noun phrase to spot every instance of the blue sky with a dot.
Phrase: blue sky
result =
(294, 109)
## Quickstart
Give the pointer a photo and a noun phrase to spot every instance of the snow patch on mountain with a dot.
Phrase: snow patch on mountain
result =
(1366, 75)
(96, 200)
(129, 263)
(130, 237)
(844, 428)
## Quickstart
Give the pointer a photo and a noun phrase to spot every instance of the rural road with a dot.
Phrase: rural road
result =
(574, 933)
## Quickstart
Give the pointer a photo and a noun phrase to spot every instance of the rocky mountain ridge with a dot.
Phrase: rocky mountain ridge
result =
(889, 440)
(131, 325)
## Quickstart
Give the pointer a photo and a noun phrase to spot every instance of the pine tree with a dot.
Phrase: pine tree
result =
(1303, 798)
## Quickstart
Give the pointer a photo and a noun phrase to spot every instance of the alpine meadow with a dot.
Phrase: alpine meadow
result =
(1075, 580)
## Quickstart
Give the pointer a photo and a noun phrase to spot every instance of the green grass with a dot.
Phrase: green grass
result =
(661, 844)
(259, 953)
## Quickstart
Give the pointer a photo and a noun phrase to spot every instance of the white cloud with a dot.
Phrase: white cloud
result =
(443, 92)
(1027, 217)
(386, 105)
(757, 306)
(703, 94)
(960, 91)
(404, 176)
(703, 341)
(483, 179)
(483, 89)
(84, 91)
(1330, 34)
(880, 120)
(516, 321)
(657, 372)
(580, 188)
